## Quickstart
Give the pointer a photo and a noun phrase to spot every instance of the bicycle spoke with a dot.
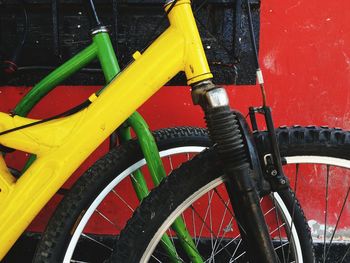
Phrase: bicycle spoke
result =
(234, 252)
(123, 200)
(279, 229)
(269, 211)
(216, 239)
(276, 229)
(174, 246)
(233, 217)
(194, 227)
(345, 255)
(171, 163)
(223, 201)
(206, 225)
(97, 242)
(187, 243)
(239, 256)
(223, 236)
(108, 220)
(219, 230)
(203, 222)
(172, 240)
(281, 246)
(171, 248)
(243, 253)
(156, 259)
(167, 255)
(325, 217)
(171, 237)
(138, 183)
(229, 243)
(296, 178)
(294, 203)
(337, 223)
(211, 227)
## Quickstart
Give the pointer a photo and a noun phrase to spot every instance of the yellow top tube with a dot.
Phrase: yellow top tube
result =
(63, 144)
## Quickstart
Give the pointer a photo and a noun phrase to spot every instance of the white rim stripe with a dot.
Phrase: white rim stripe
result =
(287, 217)
(198, 194)
(79, 229)
(318, 160)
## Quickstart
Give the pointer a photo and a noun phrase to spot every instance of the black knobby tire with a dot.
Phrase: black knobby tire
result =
(196, 177)
(71, 209)
(164, 203)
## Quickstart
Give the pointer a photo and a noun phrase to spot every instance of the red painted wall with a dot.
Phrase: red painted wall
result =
(305, 55)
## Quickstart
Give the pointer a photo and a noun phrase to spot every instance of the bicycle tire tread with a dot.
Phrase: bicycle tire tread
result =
(144, 215)
(120, 156)
(162, 199)
(334, 141)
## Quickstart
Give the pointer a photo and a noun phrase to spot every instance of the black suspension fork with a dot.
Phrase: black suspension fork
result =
(224, 131)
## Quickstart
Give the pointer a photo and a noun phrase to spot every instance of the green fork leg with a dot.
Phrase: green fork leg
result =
(150, 151)
(137, 179)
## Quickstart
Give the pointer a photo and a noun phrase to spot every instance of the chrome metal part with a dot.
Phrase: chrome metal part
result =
(100, 29)
(168, 2)
(217, 97)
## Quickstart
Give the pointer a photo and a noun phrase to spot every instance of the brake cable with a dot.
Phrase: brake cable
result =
(259, 73)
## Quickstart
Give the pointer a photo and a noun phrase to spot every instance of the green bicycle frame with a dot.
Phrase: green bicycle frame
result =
(100, 48)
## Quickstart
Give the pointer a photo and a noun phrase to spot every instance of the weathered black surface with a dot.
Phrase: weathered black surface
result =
(132, 24)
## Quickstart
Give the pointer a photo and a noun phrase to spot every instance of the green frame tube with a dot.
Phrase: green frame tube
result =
(100, 48)
(106, 56)
(42, 88)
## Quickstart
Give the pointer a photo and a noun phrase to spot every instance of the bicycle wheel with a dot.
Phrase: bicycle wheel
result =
(194, 192)
(317, 161)
(97, 207)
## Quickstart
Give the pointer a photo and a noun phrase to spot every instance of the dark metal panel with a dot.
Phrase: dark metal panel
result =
(56, 31)
(60, 28)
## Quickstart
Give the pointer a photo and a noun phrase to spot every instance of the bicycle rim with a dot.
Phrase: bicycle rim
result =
(239, 253)
(169, 154)
(327, 180)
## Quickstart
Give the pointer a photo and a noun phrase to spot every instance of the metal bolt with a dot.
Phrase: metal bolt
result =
(273, 172)
(283, 181)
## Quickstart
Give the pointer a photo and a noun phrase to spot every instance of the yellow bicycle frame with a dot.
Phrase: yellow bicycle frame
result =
(62, 145)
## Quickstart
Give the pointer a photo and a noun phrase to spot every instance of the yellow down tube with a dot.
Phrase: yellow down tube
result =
(62, 145)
